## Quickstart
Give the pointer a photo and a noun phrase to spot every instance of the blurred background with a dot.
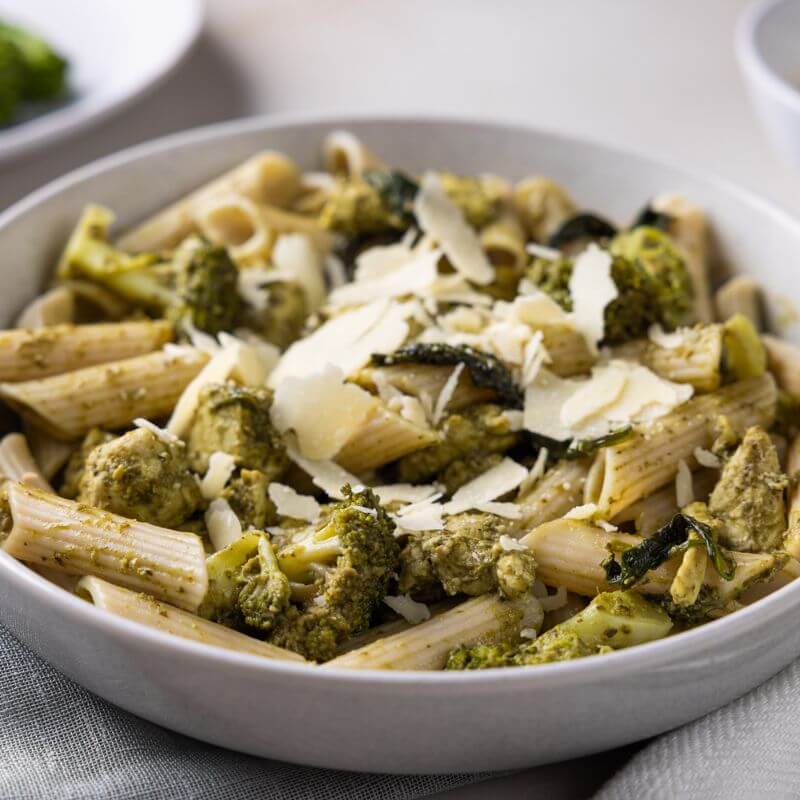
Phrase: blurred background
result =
(654, 76)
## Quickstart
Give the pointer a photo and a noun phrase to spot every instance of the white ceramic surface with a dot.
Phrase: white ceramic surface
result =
(384, 721)
(768, 48)
(117, 51)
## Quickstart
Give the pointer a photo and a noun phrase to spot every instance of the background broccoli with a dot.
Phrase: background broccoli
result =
(466, 557)
(281, 321)
(339, 576)
(11, 80)
(197, 283)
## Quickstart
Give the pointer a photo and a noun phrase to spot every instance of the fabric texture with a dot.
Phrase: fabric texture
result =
(58, 741)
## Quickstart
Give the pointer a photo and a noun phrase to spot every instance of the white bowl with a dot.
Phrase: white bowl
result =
(768, 48)
(386, 721)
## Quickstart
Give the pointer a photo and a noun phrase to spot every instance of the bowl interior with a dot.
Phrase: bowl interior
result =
(776, 37)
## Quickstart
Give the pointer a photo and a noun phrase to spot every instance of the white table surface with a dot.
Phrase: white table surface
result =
(655, 76)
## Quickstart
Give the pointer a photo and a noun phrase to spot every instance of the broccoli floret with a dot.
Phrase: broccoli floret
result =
(471, 442)
(340, 572)
(196, 284)
(235, 420)
(77, 461)
(612, 621)
(662, 295)
(397, 192)
(466, 557)
(138, 475)
(485, 369)
(247, 496)
(704, 608)
(44, 70)
(748, 498)
(359, 207)
(281, 321)
(246, 588)
(11, 80)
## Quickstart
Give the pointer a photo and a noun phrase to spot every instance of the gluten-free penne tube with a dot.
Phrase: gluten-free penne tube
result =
(557, 491)
(108, 395)
(649, 458)
(741, 295)
(503, 241)
(146, 610)
(385, 436)
(427, 645)
(16, 462)
(49, 454)
(54, 307)
(791, 543)
(52, 350)
(783, 359)
(570, 553)
(689, 229)
(77, 539)
(345, 154)
(268, 178)
(568, 351)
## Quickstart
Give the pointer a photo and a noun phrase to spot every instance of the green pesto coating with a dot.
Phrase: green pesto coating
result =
(235, 419)
(748, 498)
(77, 461)
(281, 321)
(469, 194)
(137, 475)
(264, 591)
(466, 557)
(12, 79)
(357, 207)
(653, 286)
(6, 521)
(469, 439)
(247, 496)
(349, 562)
(702, 610)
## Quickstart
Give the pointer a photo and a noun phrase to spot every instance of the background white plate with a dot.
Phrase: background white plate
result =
(117, 50)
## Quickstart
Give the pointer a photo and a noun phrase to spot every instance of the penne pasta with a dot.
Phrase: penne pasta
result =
(649, 458)
(740, 295)
(570, 553)
(384, 437)
(345, 154)
(17, 463)
(568, 351)
(791, 542)
(503, 241)
(108, 396)
(543, 206)
(427, 645)
(268, 178)
(236, 222)
(689, 229)
(146, 610)
(50, 454)
(77, 539)
(557, 491)
(52, 350)
(783, 360)
(57, 577)
(54, 307)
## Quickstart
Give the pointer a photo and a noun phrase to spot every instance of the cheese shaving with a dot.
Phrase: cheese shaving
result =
(297, 260)
(323, 411)
(223, 525)
(377, 262)
(515, 419)
(705, 458)
(291, 504)
(446, 393)
(507, 510)
(441, 219)
(405, 493)
(535, 474)
(253, 286)
(495, 482)
(540, 251)
(220, 468)
(586, 511)
(165, 436)
(510, 545)
(410, 610)
(329, 476)
(592, 289)
(684, 488)
(669, 341)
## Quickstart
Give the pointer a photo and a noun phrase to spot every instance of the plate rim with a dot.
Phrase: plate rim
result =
(680, 647)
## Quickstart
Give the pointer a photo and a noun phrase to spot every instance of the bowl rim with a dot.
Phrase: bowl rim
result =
(750, 53)
(616, 665)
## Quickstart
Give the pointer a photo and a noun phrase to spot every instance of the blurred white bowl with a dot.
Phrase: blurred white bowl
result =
(768, 48)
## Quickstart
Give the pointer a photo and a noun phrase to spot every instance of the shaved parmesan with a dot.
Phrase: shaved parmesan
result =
(543, 401)
(535, 309)
(515, 419)
(291, 504)
(296, 259)
(606, 526)
(533, 477)
(267, 352)
(510, 545)
(446, 394)
(410, 610)
(220, 468)
(329, 476)
(684, 489)
(334, 269)
(592, 289)
(534, 358)
(223, 525)
(424, 515)
(540, 251)
(346, 341)
(705, 458)
(441, 219)
(413, 277)
(165, 436)
(405, 493)
(200, 339)
(253, 286)
(586, 511)
(377, 262)
(323, 411)
(252, 364)
(495, 482)
(594, 395)
(507, 510)
(669, 341)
